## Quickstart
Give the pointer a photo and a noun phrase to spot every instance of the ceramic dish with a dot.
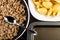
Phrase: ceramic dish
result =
(39, 16)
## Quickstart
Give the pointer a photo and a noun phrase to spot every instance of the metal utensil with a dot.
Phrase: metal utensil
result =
(12, 20)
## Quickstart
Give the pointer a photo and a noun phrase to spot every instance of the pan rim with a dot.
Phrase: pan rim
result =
(27, 20)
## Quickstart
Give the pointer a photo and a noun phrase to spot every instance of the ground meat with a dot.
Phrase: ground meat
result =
(15, 9)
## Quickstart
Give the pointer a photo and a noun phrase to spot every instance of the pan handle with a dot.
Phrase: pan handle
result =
(32, 31)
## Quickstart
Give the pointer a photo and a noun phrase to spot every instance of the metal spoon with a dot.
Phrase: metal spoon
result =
(12, 20)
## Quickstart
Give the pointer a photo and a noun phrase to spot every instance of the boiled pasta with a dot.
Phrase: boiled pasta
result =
(47, 4)
(56, 8)
(42, 10)
(49, 12)
(57, 1)
(47, 7)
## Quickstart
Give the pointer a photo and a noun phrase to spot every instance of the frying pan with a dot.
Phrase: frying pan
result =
(21, 30)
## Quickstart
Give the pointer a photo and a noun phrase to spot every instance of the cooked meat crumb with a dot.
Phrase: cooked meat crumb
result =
(15, 9)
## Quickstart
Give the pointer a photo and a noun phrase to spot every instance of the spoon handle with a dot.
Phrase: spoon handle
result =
(32, 31)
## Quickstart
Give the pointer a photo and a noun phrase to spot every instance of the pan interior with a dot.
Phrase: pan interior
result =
(47, 33)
